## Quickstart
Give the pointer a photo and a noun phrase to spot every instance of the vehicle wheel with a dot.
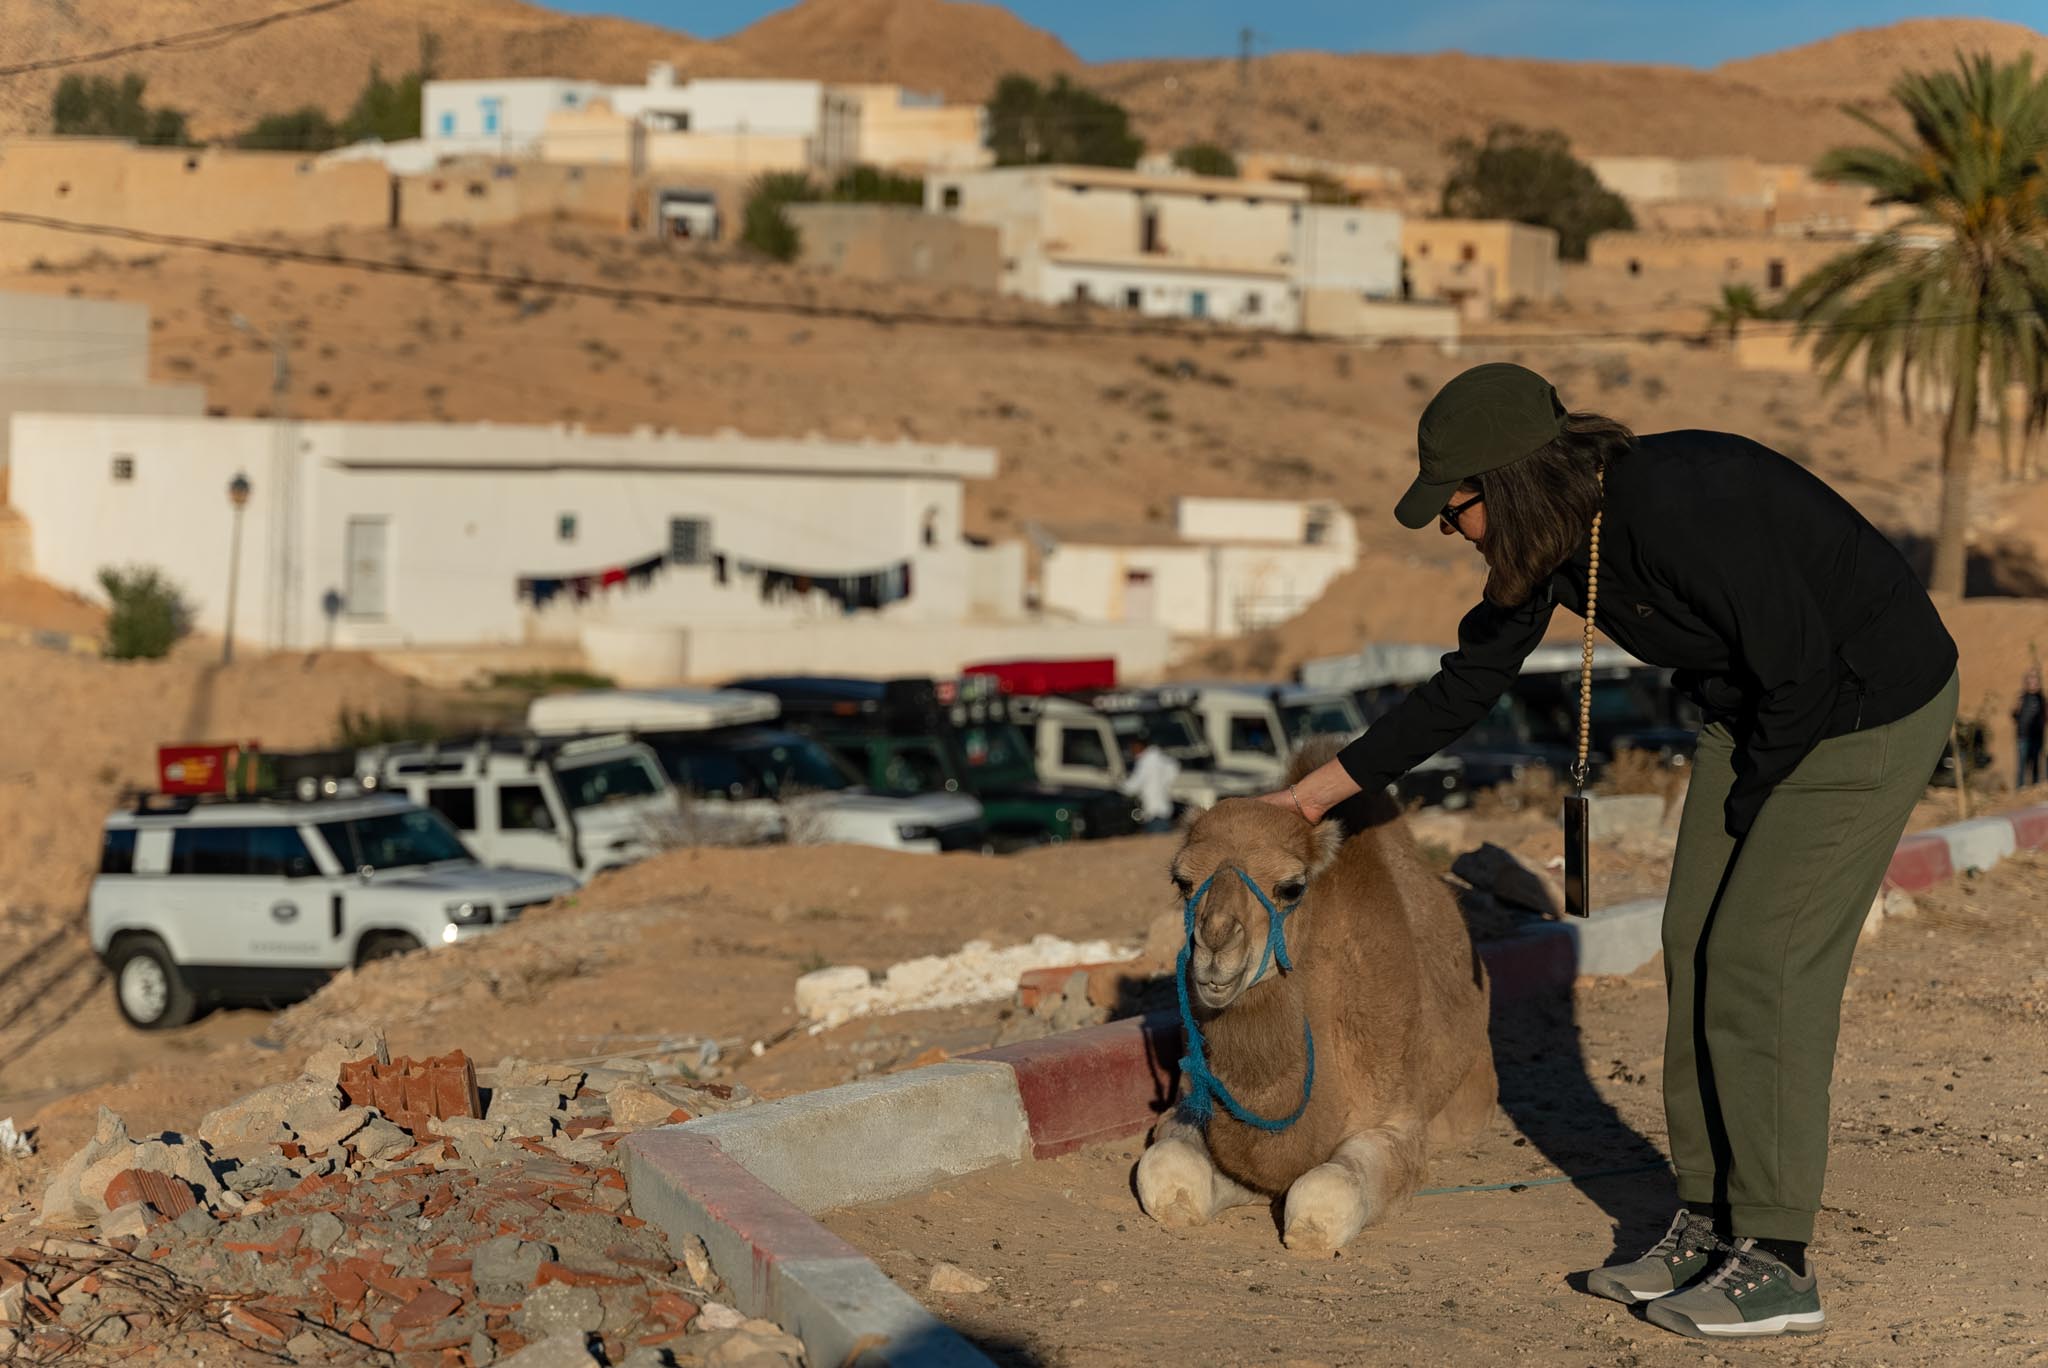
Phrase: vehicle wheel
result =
(148, 988)
(384, 945)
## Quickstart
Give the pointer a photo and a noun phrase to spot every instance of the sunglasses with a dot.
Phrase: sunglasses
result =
(1452, 512)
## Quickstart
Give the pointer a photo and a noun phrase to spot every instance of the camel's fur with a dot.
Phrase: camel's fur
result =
(1398, 1000)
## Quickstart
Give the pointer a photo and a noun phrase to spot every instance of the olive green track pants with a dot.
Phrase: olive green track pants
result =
(1758, 933)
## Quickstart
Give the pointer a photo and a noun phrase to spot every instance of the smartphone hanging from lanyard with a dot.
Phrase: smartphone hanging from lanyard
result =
(1578, 808)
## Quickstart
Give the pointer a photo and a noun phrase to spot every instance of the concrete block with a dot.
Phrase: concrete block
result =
(1617, 816)
(1096, 1084)
(1619, 939)
(870, 1141)
(1979, 844)
(2030, 826)
(777, 1261)
(1920, 862)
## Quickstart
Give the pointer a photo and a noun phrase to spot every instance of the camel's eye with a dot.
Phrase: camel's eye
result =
(1184, 884)
(1290, 891)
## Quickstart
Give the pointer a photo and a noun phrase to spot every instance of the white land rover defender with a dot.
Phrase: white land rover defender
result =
(581, 807)
(258, 901)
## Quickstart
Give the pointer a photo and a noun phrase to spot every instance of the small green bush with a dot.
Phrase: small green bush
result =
(149, 614)
(355, 730)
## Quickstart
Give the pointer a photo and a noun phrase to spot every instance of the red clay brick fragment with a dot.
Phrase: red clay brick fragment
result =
(361, 1333)
(397, 1288)
(168, 1195)
(448, 1266)
(429, 1307)
(674, 1308)
(348, 1288)
(414, 1093)
(508, 1342)
(552, 1272)
(253, 1323)
(625, 1255)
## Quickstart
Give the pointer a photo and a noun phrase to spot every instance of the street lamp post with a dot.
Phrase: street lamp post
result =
(238, 499)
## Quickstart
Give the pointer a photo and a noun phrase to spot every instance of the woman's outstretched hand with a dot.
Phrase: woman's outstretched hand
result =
(1315, 793)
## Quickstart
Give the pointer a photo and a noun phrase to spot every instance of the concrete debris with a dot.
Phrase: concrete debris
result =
(1889, 903)
(13, 1144)
(324, 1064)
(464, 1241)
(252, 1124)
(697, 1263)
(718, 1316)
(570, 1349)
(558, 1308)
(977, 972)
(952, 1280)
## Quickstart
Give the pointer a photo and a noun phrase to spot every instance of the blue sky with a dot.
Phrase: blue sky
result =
(1695, 32)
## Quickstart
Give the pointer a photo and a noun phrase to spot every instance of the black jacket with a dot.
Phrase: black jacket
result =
(1783, 612)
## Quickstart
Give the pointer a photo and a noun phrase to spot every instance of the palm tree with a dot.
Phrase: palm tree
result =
(1956, 295)
(1738, 302)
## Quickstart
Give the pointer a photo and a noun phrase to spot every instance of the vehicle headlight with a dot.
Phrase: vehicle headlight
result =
(915, 831)
(468, 913)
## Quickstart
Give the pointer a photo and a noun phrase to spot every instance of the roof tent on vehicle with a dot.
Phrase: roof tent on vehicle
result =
(648, 710)
(1049, 676)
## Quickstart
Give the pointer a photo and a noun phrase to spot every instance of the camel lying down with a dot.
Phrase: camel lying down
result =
(1350, 1042)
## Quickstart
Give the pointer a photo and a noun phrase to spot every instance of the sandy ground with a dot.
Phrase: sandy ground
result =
(1926, 1247)
(695, 946)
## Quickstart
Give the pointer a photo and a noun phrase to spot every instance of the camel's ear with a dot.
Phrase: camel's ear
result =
(1326, 838)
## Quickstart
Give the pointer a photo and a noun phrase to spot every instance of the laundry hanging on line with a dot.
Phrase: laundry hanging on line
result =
(865, 590)
(539, 590)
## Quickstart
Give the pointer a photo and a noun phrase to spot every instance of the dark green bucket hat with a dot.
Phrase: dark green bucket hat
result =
(1490, 416)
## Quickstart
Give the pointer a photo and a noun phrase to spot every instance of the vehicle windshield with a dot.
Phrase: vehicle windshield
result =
(795, 766)
(1173, 730)
(394, 840)
(1329, 717)
(608, 781)
(751, 769)
(997, 747)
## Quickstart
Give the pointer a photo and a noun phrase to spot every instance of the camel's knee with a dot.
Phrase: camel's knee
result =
(1470, 1108)
(1177, 1182)
(1326, 1208)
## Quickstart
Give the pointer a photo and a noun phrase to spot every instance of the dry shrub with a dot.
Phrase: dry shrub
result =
(1538, 788)
(1641, 771)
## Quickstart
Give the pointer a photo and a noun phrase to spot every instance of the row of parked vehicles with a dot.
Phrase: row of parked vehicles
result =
(252, 876)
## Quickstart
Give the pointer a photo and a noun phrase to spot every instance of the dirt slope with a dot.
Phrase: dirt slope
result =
(322, 59)
(1860, 65)
(951, 47)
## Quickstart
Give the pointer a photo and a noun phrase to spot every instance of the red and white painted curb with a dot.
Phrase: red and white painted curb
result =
(747, 1182)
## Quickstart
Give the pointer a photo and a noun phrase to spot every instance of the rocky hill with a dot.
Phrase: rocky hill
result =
(1396, 109)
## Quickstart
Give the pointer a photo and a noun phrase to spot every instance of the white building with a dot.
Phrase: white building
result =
(65, 355)
(1181, 246)
(664, 557)
(498, 116)
(1234, 566)
(771, 108)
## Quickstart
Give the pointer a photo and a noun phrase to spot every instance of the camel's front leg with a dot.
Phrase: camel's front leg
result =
(1368, 1176)
(1178, 1184)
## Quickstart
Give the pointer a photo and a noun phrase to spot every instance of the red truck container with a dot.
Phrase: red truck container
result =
(1031, 677)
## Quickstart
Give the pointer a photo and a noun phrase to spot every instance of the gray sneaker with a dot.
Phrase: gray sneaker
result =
(1750, 1293)
(1682, 1255)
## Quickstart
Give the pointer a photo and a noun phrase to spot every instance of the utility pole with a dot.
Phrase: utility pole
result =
(284, 470)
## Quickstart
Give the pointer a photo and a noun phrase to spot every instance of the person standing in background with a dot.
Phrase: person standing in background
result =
(2029, 719)
(1151, 783)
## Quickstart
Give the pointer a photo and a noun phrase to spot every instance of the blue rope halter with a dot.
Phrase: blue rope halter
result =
(1205, 1089)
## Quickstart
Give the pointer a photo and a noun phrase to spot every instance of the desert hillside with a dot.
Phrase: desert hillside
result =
(1358, 106)
(1858, 66)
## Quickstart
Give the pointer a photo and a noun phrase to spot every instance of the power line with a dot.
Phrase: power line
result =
(174, 42)
(1176, 329)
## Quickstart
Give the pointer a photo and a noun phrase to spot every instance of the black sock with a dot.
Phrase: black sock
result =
(1791, 1253)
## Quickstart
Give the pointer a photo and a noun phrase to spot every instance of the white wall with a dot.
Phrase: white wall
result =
(730, 106)
(1255, 520)
(1215, 590)
(462, 531)
(642, 658)
(1251, 301)
(1341, 247)
(452, 113)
